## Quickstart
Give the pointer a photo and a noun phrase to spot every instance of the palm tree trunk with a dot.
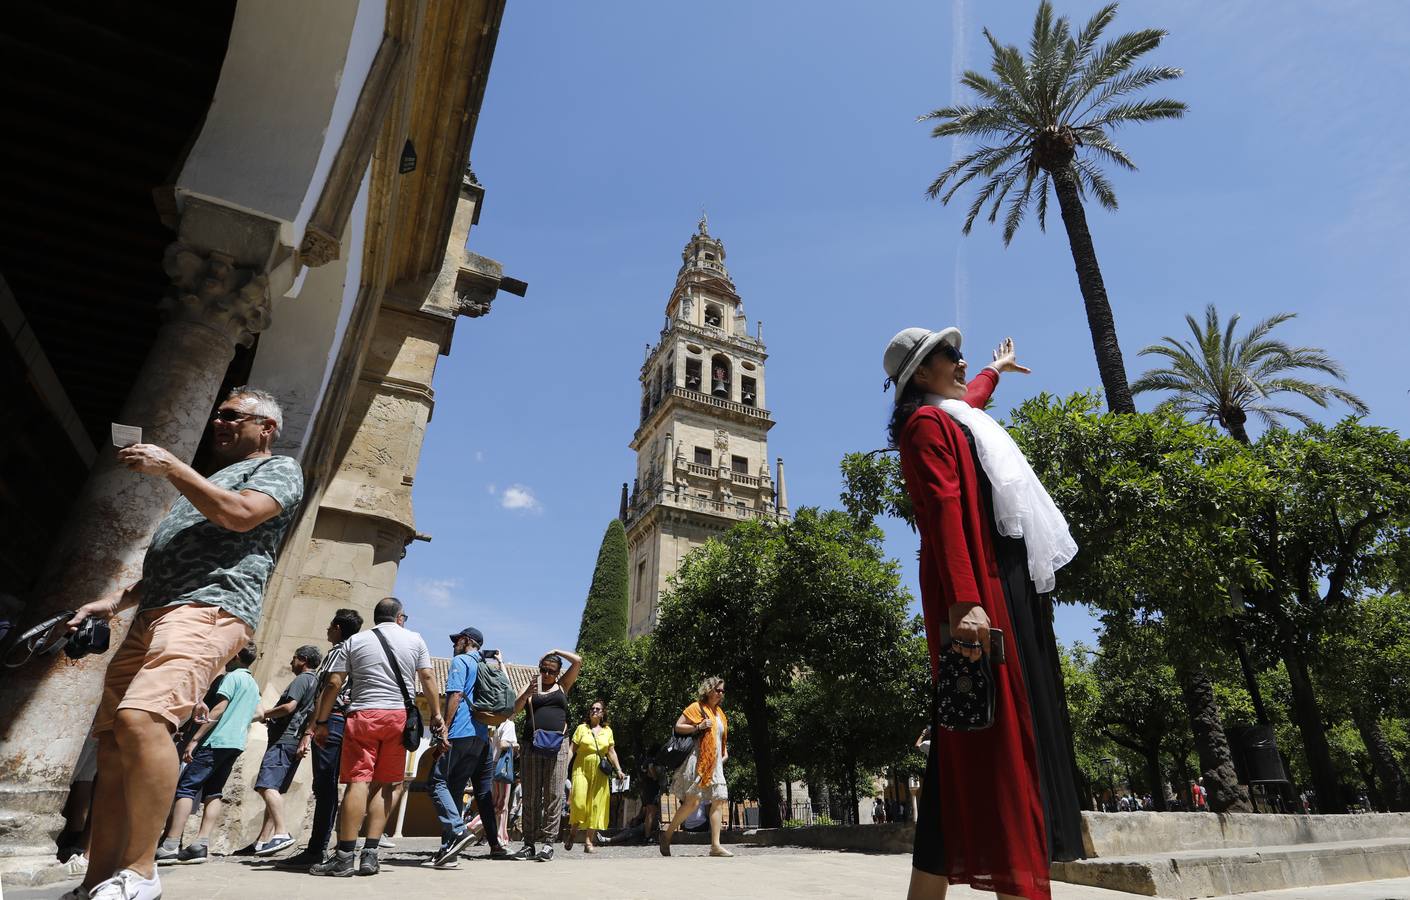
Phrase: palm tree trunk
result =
(1307, 713)
(1216, 762)
(1395, 793)
(1089, 279)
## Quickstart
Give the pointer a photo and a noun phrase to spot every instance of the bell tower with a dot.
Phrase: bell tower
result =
(702, 443)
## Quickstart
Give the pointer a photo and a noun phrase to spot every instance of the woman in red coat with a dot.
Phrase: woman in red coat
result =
(996, 804)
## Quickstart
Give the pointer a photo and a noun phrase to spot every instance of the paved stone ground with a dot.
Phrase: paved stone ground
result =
(622, 872)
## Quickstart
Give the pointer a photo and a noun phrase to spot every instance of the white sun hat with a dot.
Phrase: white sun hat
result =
(909, 348)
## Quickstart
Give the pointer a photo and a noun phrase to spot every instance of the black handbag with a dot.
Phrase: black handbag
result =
(676, 751)
(604, 765)
(964, 693)
(415, 727)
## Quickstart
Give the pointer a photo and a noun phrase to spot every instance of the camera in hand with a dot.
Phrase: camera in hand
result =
(92, 636)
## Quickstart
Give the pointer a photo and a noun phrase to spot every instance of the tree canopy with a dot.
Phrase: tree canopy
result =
(605, 611)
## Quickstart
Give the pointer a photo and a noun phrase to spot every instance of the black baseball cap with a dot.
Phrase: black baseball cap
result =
(471, 633)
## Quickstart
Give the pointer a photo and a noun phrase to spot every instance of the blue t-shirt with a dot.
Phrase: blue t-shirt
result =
(241, 698)
(463, 671)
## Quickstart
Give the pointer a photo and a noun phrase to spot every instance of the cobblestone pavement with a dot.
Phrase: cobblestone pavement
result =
(621, 873)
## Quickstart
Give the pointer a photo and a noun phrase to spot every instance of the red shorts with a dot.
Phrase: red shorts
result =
(372, 749)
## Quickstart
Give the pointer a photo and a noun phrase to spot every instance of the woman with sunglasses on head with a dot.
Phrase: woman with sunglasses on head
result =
(544, 761)
(701, 778)
(996, 804)
(594, 765)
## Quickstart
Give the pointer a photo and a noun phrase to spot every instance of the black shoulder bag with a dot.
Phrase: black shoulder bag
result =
(413, 730)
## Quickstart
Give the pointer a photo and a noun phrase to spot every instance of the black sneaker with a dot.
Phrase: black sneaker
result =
(339, 864)
(545, 855)
(499, 853)
(167, 855)
(369, 864)
(453, 847)
(301, 860)
(192, 855)
(525, 852)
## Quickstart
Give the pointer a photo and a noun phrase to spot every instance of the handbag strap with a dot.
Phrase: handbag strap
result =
(396, 669)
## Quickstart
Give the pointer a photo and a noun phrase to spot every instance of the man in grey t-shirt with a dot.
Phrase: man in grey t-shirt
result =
(281, 758)
(373, 757)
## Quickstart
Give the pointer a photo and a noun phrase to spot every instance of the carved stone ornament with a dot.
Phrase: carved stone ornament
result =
(472, 304)
(318, 247)
(721, 439)
(209, 289)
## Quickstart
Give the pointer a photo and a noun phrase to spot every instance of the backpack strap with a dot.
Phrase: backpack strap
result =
(396, 669)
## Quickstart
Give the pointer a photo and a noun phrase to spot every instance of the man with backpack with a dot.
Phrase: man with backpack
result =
(466, 756)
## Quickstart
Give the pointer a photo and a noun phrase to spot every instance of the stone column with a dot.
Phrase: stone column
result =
(47, 707)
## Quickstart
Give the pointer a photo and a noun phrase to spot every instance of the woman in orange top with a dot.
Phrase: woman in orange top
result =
(702, 775)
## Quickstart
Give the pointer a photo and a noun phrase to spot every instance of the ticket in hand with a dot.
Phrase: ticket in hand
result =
(126, 435)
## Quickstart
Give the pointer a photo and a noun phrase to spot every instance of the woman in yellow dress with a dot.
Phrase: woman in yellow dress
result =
(590, 801)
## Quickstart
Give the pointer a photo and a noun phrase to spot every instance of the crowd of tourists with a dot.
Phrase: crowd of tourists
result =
(179, 703)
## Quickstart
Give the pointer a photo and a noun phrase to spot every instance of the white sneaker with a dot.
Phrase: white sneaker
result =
(386, 844)
(128, 885)
(77, 865)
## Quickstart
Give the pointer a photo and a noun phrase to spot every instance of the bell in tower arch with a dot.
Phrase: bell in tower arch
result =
(719, 383)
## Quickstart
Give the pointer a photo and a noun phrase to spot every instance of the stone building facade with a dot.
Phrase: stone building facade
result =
(253, 191)
(702, 443)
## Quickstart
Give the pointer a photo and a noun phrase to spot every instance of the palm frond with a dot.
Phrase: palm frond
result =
(1271, 414)
(1043, 203)
(1082, 49)
(1017, 207)
(1139, 111)
(1108, 62)
(1134, 80)
(978, 160)
(1097, 139)
(976, 121)
(1092, 178)
(990, 188)
(985, 169)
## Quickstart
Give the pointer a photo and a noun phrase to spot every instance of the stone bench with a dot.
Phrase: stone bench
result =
(1192, 855)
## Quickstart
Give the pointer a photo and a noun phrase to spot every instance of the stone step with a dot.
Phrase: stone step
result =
(1219, 872)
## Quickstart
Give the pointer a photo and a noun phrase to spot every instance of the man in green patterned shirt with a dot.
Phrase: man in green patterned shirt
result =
(199, 601)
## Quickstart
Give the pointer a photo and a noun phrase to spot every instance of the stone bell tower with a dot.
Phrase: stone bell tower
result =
(702, 443)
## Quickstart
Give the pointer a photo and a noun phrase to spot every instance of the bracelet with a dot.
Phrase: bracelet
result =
(321, 722)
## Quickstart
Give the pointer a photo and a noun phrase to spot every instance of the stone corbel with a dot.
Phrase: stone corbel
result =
(478, 281)
(322, 238)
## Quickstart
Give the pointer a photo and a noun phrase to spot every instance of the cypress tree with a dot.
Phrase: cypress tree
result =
(605, 612)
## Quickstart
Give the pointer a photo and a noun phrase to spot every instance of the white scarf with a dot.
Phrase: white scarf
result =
(1022, 507)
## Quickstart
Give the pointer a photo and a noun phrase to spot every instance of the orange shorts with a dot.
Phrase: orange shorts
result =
(168, 660)
(372, 747)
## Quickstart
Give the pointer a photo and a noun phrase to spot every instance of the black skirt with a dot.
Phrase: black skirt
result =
(1032, 618)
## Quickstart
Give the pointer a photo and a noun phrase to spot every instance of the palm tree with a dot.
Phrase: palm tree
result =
(1217, 378)
(1046, 119)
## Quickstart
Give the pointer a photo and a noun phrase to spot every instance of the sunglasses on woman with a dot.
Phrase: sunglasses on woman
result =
(950, 353)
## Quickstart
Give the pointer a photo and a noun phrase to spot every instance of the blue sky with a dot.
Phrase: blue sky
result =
(606, 128)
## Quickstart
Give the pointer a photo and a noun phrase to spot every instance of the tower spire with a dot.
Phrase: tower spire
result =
(782, 496)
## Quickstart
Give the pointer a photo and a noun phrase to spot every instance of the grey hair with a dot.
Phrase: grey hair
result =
(265, 404)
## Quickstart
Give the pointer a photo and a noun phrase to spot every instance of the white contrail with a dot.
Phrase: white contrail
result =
(958, 63)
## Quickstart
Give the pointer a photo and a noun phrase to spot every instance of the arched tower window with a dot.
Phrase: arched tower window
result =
(692, 374)
(720, 384)
(714, 317)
